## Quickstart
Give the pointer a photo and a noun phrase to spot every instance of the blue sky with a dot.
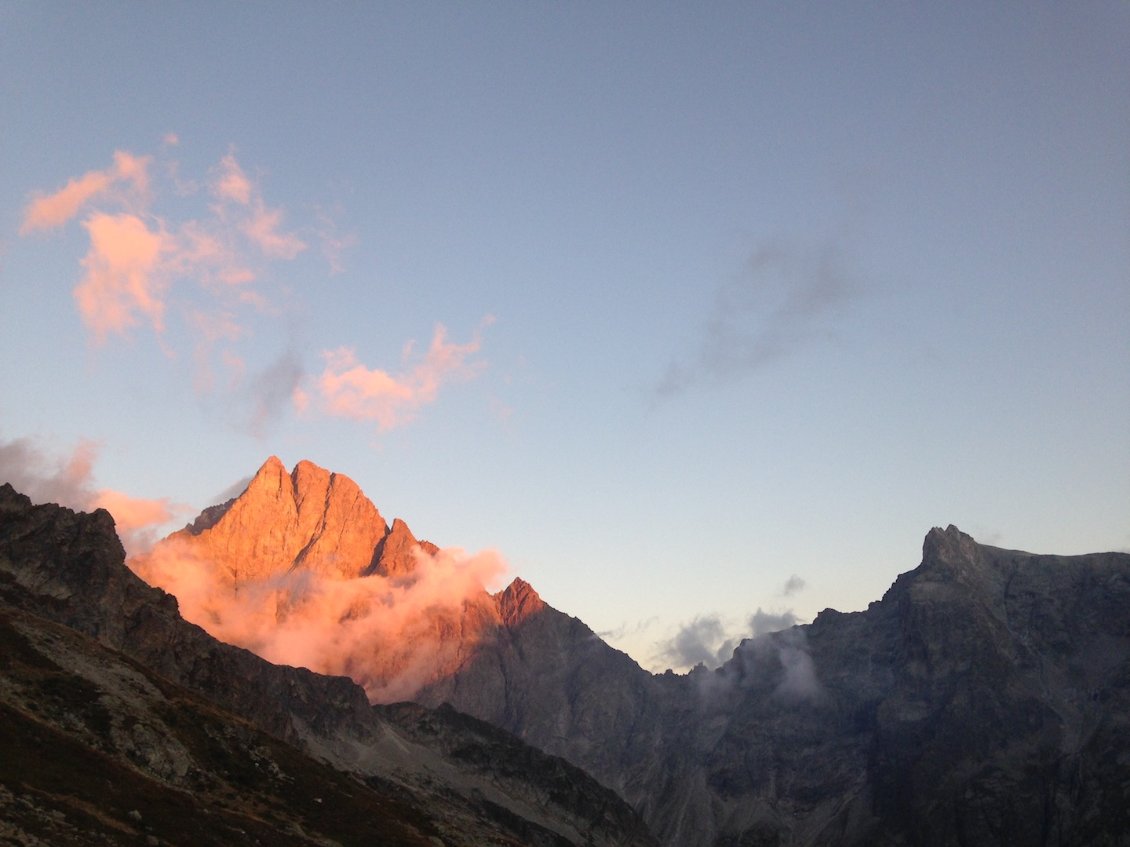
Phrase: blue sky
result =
(733, 296)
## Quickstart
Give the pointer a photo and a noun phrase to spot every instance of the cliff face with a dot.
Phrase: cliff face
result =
(307, 518)
(985, 700)
(129, 725)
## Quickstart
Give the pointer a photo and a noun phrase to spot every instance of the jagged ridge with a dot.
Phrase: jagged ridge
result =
(983, 700)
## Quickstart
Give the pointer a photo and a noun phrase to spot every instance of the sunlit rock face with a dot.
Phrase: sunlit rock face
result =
(302, 569)
(308, 518)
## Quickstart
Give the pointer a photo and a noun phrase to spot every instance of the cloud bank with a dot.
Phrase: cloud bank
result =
(770, 655)
(709, 642)
(391, 635)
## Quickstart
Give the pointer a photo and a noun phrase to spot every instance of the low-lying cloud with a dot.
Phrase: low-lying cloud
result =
(799, 681)
(704, 641)
(762, 622)
(391, 635)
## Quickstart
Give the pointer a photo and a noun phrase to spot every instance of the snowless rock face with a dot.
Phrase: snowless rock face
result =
(307, 518)
(985, 700)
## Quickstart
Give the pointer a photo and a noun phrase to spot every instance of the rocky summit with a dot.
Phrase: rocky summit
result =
(307, 518)
(984, 700)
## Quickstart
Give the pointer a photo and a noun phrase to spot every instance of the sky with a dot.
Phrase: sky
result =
(699, 315)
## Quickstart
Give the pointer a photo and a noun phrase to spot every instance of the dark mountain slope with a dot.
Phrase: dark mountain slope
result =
(984, 700)
(114, 703)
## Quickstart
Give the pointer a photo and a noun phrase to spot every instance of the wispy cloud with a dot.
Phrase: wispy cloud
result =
(781, 302)
(264, 229)
(203, 276)
(793, 585)
(49, 211)
(348, 388)
(270, 391)
(230, 182)
(69, 481)
(137, 256)
(333, 241)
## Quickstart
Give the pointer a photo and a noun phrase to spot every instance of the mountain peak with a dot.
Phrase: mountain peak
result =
(308, 516)
(950, 546)
(272, 461)
(517, 602)
(395, 554)
(270, 472)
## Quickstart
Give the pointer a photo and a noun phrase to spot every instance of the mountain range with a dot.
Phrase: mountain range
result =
(985, 699)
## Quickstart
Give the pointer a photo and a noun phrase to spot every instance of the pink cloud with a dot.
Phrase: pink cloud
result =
(58, 208)
(207, 273)
(349, 389)
(206, 253)
(262, 229)
(261, 226)
(334, 243)
(391, 635)
(231, 182)
(54, 210)
(137, 259)
(122, 275)
(137, 520)
(135, 169)
(212, 329)
(300, 398)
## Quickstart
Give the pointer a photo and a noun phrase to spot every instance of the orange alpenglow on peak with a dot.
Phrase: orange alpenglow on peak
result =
(309, 518)
(395, 554)
(302, 569)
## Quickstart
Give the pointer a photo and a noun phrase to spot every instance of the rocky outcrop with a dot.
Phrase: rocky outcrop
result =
(129, 725)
